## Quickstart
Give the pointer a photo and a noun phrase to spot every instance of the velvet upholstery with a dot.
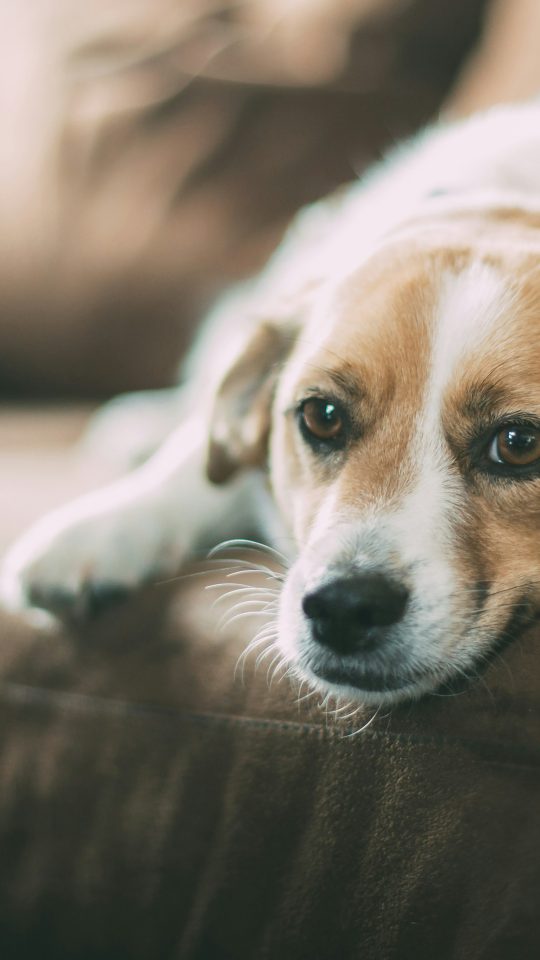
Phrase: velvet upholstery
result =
(153, 805)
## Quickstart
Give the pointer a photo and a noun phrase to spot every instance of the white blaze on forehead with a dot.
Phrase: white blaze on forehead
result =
(471, 305)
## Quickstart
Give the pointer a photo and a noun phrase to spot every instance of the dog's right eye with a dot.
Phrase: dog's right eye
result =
(322, 421)
(515, 446)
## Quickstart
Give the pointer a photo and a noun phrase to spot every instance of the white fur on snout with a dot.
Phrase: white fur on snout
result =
(411, 545)
(415, 539)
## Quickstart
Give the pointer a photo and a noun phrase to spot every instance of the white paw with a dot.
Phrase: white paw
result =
(76, 561)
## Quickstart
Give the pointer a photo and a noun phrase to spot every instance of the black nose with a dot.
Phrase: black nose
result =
(351, 613)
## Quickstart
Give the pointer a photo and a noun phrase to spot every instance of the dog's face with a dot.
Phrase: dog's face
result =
(404, 455)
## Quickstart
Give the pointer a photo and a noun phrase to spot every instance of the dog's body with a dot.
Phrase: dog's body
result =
(386, 368)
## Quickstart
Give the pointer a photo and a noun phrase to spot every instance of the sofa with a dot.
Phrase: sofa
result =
(157, 803)
(161, 798)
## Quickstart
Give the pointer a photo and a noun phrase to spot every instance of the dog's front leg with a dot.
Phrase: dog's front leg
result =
(140, 528)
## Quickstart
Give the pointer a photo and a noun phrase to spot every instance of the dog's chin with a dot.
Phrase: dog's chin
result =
(368, 685)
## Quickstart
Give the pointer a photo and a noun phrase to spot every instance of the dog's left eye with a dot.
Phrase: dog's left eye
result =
(515, 446)
(322, 421)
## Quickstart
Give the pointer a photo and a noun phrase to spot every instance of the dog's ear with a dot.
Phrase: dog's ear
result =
(240, 421)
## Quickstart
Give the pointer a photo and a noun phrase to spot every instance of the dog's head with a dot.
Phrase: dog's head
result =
(399, 412)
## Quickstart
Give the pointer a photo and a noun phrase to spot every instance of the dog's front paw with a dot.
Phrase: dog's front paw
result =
(76, 566)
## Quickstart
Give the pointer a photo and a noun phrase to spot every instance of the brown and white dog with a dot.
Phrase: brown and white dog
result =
(382, 378)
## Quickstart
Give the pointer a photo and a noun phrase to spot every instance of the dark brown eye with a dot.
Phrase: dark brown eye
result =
(322, 420)
(515, 446)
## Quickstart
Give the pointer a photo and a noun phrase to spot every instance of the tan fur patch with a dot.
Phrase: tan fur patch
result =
(379, 332)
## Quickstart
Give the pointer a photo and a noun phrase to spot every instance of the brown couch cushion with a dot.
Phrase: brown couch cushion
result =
(152, 806)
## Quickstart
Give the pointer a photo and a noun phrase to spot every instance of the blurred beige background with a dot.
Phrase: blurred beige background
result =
(153, 151)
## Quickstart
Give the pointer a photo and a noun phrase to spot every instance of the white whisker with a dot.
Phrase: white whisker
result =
(227, 621)
(347, 716)
(239, 589)
(262, 596)
(251, 545)
(277, 659)
(268, 574)
(354, 733)
(255, 568)
(344, 706)
(306, 696)
(265, 653)
(282, 663)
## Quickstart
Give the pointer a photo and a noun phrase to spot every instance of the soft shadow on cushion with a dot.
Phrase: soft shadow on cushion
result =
(153, 806)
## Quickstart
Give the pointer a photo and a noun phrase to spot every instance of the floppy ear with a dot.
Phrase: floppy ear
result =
(240, 421)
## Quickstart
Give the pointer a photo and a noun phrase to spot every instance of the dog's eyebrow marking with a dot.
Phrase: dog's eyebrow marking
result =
(346, 382)
(481, 400)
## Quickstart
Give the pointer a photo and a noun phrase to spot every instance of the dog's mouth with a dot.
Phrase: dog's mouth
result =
(364, 678)
(377, 680)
